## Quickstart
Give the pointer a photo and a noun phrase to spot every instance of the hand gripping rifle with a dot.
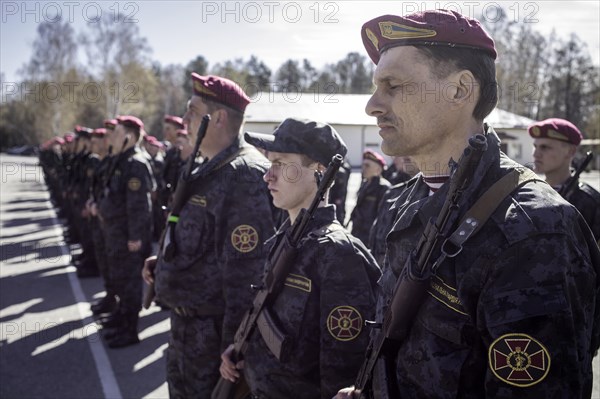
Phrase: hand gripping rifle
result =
(281, 261)
(168, 245)
(567, 190)
(412, 284)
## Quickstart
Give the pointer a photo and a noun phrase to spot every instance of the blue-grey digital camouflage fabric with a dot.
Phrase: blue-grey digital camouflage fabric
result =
(587, 202)
(126, 215)
(386, 216)
(219, 236)
(327, 296)
(515, 314)
(367, 203)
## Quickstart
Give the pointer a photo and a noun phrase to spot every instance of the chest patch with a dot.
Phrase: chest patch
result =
(299, 282)
(198, 200)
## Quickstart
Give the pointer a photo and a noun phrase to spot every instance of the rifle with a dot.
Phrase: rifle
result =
(168, 246)
(273, 281)
(98, 173)
(411, 286)
(567, 190)
(113, 166)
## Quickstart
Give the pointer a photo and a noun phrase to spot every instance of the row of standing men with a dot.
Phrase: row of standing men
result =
(515, 313)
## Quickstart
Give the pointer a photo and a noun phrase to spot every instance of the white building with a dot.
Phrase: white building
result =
(346, 113)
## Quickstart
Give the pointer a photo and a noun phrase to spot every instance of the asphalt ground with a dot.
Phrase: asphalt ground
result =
(50, 346)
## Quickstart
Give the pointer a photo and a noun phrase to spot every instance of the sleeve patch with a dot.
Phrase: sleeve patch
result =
(134, 184)
(519, 360)
(244, 238)
(344, 323)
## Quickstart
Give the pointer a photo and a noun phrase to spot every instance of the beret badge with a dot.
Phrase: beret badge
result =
(200, 88)
(393, 30)
(373, 38)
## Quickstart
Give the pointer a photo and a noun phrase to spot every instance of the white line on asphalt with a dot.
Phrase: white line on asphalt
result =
(110, 387)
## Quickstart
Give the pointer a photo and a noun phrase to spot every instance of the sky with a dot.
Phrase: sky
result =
(320, 31)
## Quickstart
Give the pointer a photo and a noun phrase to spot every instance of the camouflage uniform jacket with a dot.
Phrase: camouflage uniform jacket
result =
(587, 202)
(367, 202)
(516, 313)
(219, 238)
(127, 198)
(328, 294)
(386, 216)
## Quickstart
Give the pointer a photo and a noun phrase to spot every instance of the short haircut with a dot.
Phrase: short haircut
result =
(444, 60)
(236, 118)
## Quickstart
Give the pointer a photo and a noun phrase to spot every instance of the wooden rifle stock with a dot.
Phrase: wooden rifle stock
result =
(273, 281)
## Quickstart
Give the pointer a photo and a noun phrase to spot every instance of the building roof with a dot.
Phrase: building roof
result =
(340, 109)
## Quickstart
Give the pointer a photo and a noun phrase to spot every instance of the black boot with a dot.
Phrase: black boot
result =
(126, 335)
(104, 305)
(114, 320)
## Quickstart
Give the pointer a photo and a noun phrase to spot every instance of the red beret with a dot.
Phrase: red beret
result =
(99, 132)
(558, 129)
(69, 137)
(149, 138)
(427, 28)
(156, 143)
(83, 131)
(175, 120)
(58, 140)
(221, 90)
(375, 157)
(110, 123)
(182, 132)
(131, 122)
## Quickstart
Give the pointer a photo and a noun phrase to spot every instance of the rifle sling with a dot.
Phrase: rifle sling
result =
(481, 211)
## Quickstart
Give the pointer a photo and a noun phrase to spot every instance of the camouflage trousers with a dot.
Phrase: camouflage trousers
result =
(193, 356)
(124, 268)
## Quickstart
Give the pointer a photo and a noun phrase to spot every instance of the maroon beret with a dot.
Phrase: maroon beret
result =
(58, 140)
(375, 157)
(426, 28)
(156, 143)
(558, 129)
(100, 132)
(110, 124)
(82, 131)
(182, 132)
(130, 121)
(174, 120)
(221, 90)
(69, 137)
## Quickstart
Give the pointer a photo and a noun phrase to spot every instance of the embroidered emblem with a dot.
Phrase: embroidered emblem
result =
(373, 38)
(445, 294)
(344, 323)
(519, 360)
(134, 184)
(553, 134)
(244, 238)
(299, 282)
(199, 200)
(535, 131)
(199, 87)
(393, 30)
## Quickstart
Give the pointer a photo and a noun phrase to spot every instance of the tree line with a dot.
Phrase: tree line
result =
(538, 77)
